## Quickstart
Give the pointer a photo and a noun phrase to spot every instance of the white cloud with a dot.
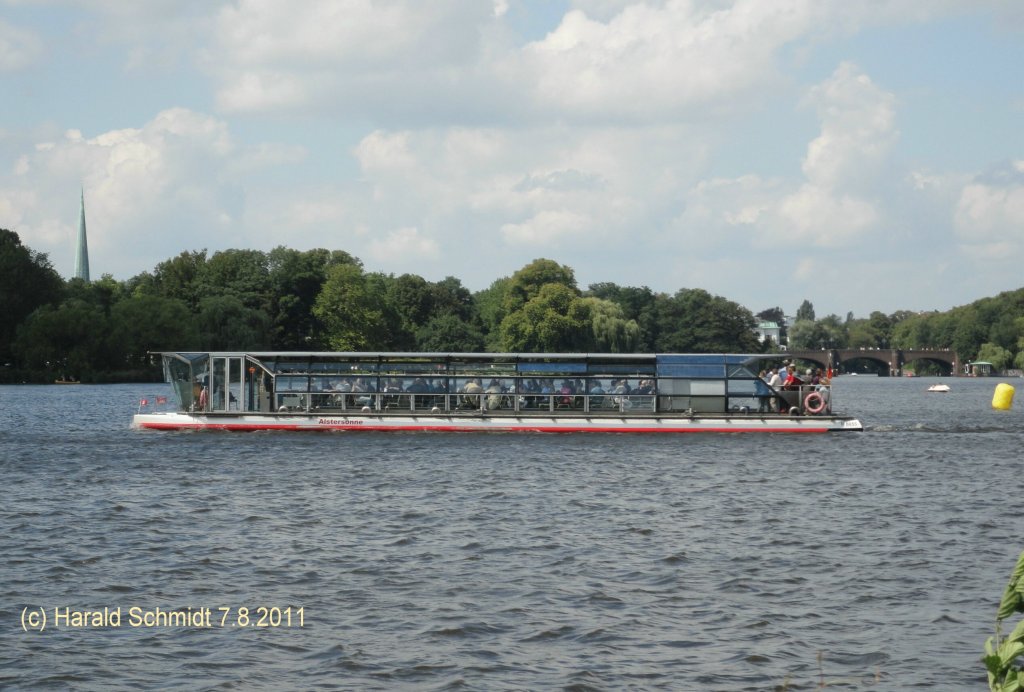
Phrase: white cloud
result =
(19, 47)
(150, 192)
(858, 130)
(403, 248)
(619, 140)
(823, 217)
(654, 61)
(990, 214)
(844, 164)
(344, 55)
(546, 229)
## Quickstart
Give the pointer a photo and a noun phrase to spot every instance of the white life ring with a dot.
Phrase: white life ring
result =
(814, 403)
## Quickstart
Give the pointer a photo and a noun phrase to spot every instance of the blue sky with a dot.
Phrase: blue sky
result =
(861, 155)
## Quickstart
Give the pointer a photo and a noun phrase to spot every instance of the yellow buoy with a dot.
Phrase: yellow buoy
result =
(1002, 399)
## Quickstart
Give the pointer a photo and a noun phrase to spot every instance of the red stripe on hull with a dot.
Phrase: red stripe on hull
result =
(253, 427)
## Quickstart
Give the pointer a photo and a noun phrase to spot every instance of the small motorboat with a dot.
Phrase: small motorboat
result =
(939, 388)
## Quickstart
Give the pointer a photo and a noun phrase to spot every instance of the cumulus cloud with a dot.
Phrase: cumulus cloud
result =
(150, 191)
(657, 60)
(601, 136)
(837, 202)
(990, 213)
(843, 163)
(344, 55)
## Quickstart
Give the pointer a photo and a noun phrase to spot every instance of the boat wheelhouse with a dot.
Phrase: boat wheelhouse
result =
(501, 392)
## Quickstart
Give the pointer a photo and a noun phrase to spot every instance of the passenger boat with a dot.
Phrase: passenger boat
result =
(494, 392)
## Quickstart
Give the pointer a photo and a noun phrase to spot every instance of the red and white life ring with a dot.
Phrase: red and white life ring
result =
(814, 403)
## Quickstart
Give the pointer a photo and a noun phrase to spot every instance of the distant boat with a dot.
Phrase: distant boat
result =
(65, 380)
(939, 388)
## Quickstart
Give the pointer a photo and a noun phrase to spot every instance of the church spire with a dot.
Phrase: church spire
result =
(82, 255)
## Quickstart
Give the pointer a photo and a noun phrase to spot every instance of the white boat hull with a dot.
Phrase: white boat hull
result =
(495, 423)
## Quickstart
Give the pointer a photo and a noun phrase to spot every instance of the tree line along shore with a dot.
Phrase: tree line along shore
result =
(313, 300)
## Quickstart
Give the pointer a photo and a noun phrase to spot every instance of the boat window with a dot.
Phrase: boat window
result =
(322, 384)
(179, 373)
(551, 369)
(291, 383)
(692, 370)
(329, 367)
(741, 371)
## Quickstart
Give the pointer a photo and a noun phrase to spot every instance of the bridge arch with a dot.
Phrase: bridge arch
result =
(891, 361)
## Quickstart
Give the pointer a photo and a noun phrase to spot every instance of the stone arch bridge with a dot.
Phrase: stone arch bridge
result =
(892, 360)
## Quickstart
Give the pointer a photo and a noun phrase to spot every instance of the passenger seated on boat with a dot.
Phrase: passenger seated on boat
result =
(493, 392)
(418, 386)
(596, 395)
(416, 390)
(471, 394)
(646, 387)
(527, 387)
(365, 389)
(566, 392)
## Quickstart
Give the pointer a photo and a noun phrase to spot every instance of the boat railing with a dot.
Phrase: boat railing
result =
(429, 402)
(805, 399)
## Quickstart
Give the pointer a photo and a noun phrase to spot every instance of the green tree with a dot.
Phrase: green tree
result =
(490, 311)
(66, 340)
(450, 297)
(27, 282)
(836, 335)
(449, 334)
(881, 327)
(397, 334)
(613, 333)
(828, 332)
(638, 304)
(296, 279)
(969, 333)
(351, 311)
(177, 278)
(694, 321)
(995, 354)
(528, 282)
(226, 324)
(141, 324)
(243, 274)
(806, 335)
(556, 319)
(860, 334)
(413, 300)
(805, 311)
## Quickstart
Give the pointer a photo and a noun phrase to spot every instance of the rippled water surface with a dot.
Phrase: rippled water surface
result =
(434, 561)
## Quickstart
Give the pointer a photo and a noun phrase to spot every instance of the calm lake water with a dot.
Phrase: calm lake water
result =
(870, 561)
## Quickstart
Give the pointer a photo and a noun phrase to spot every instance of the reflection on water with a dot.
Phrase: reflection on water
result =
(512, 561)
